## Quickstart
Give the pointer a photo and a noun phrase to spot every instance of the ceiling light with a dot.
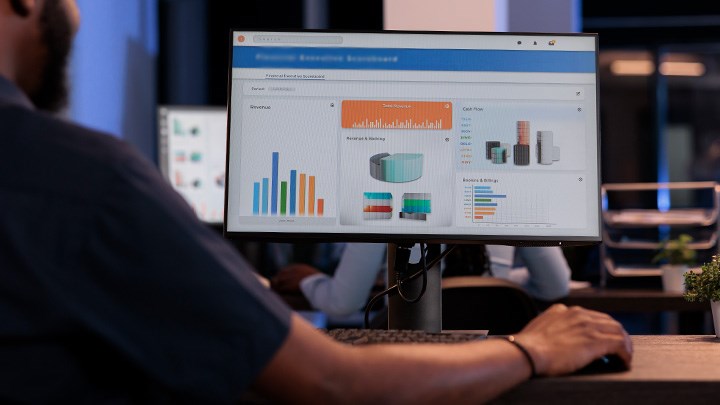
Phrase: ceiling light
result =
(632, 67)
(682, 68)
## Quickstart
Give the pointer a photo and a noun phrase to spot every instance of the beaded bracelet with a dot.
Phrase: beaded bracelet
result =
(525, 352)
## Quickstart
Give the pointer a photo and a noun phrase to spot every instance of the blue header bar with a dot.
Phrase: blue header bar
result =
(468, 60)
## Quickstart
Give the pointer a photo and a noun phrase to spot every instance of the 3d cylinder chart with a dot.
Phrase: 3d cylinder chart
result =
(396, 168)
(497, 152)
(295, 196)
(377, 205)
(521, 150)
(489, 145)
(547, 152)
(416, 206)
(498, 155)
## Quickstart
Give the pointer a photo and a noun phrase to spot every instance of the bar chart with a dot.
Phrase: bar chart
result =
(416, 206)
(484, 202)
(377, 205)
(290, 194)
(369, 114)
(488, 204)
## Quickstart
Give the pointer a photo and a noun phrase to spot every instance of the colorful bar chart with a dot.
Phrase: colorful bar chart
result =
(416, 206)
(291, 196)
(507, 205)
(485, 202)
(371, 114)
(377, 205)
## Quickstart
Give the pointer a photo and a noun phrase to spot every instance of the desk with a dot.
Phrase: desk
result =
(635, 300)
(665, 370)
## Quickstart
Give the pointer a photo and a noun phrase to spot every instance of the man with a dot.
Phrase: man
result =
(111, 290)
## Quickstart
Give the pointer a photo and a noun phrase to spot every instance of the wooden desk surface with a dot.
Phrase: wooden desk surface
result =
(668, 369)
(632, 300)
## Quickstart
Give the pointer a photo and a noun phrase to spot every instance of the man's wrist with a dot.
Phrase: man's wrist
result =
(526, 354)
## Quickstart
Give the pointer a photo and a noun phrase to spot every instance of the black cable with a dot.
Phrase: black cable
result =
(399, 279)
(415, 275)
(373, 301)
(435, 261)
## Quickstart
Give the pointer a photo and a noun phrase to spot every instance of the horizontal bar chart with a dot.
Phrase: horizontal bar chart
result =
(484, 202)
(377, 205)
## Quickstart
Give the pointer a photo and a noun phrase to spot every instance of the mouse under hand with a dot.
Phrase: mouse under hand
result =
(609, 363)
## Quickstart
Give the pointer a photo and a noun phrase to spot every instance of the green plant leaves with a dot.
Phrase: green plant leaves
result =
(676, 251)
(704, 286)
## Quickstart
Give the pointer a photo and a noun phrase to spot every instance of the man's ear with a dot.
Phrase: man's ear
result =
(22, 7)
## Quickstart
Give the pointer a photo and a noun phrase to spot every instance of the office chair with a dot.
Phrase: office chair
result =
(477, 302)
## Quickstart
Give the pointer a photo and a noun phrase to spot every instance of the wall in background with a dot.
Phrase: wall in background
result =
(450, 15)
(112, 70)
(484, 15)
(545, 15)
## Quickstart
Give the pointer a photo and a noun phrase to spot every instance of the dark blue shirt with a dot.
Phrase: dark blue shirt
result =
(110, 288)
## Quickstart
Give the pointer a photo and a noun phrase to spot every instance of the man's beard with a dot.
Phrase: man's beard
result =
(56, 29)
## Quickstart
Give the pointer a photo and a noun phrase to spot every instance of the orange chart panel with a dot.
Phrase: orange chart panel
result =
(368, 114)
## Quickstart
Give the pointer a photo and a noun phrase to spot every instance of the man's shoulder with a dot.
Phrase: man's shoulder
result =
(47, 131)
(52, 154)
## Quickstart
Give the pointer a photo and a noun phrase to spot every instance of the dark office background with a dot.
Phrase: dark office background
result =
(638, 113)
(219, 17)
(654, 127)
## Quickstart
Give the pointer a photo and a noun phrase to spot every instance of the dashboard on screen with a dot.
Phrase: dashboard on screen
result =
(191, 156)
(413, 136)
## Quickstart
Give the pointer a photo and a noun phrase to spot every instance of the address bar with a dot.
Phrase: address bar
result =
(298, 39)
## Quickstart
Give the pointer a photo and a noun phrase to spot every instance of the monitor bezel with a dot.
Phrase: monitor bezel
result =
(514, 240)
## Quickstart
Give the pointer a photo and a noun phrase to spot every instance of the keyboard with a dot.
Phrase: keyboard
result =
(375, 336)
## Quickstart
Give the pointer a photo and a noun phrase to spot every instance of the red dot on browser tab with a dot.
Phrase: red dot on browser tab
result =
(241, 38)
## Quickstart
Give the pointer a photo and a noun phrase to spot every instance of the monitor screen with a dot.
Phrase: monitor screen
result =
(191, 150)
(400, 136)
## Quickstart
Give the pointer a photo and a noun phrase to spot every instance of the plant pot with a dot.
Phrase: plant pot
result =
(715, 307)
(672, 277)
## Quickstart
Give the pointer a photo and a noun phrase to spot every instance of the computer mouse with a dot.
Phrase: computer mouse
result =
(609, 363)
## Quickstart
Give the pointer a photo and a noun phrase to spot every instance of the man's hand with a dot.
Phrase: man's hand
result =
(562, 340)
(288, 279)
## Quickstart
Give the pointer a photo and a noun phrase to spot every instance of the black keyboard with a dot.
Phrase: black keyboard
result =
(373, 336)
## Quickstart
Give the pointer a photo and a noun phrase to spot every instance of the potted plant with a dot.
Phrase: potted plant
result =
(676, 256)
(705, 286)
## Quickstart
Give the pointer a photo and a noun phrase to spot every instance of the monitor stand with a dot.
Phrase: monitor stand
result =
(426, 314)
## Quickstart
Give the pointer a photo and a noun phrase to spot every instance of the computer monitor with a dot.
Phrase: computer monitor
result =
(191, 155)
(408, 136)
